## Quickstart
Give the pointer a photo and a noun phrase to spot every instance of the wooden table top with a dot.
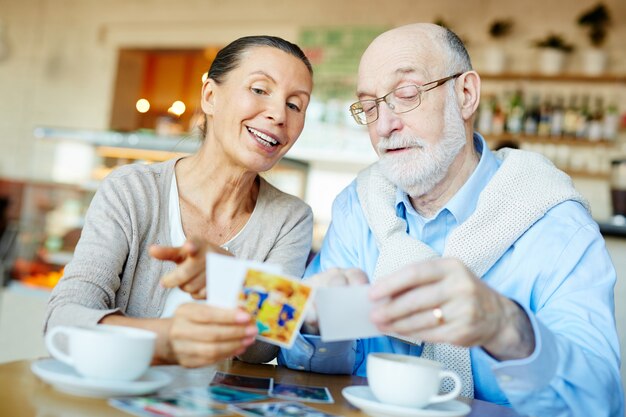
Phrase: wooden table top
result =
(22, 394)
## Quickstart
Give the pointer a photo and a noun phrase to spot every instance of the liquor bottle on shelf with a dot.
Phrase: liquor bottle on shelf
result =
(610, 124)
(557, 119)
(594, 132)
(532, 116)
(545, 117)
(515, 118)
(582, 121)
(570, 119)
(499, 119)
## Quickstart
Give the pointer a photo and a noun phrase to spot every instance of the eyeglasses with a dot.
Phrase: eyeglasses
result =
(400, 100)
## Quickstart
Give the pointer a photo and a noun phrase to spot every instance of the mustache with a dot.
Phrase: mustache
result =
(398, 141)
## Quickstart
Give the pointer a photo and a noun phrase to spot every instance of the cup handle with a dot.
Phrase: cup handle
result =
(54, 351)
(452, 394)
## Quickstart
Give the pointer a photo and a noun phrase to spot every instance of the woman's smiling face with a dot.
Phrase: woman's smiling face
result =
(256, 114)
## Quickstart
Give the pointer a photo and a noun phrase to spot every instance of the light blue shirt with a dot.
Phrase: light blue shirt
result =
(559, 271)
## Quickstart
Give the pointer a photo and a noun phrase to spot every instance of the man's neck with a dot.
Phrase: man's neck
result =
(459, 172)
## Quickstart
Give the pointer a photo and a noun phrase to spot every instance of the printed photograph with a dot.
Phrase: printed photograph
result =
(220, 394)
(246, 383)
(278, 303)
(302, 393)
(280, 409)
(157, 406)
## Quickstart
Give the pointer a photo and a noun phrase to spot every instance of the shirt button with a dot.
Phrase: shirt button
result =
(322, 350)
(505, 378)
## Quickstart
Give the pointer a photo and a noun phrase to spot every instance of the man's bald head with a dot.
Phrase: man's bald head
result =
(440, 50)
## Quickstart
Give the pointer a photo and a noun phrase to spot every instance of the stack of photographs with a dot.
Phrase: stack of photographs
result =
(237, 392)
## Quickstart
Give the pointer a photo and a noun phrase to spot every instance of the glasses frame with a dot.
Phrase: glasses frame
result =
(355, 111)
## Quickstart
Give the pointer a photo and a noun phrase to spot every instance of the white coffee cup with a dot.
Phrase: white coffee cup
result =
(104, 351)
(408, 381)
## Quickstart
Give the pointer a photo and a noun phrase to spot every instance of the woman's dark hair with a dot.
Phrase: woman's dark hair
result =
(229, 57)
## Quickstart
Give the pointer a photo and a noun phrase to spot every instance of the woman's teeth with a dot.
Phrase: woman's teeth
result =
(262, 138)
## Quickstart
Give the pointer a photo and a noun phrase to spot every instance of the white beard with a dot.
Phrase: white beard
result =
(418, 170)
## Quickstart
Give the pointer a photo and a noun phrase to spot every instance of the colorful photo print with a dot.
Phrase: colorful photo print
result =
(219, 394)
(241, 382)
(302, 393)
(278, 303)
(280, 409)
(157, 406)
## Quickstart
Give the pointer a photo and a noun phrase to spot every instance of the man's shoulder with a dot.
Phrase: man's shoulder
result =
(571, 213)
(564, 221)
(347, 201)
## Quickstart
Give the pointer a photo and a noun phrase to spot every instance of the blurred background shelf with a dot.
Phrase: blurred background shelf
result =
(561, 78)
(113, 139)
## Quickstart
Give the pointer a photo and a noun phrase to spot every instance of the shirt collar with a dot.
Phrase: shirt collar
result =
(463, 203)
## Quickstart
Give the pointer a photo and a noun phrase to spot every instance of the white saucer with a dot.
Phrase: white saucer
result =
(65, 379)
(361, 397)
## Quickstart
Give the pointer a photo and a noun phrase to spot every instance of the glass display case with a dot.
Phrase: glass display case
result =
(47, 224)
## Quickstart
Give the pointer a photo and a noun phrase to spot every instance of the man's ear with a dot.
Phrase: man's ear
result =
(207, 100)
(468, 92)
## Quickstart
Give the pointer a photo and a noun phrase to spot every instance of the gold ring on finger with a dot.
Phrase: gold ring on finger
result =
(438, 314)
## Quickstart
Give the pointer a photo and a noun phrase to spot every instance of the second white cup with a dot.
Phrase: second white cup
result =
(104, 351)
(408, 381)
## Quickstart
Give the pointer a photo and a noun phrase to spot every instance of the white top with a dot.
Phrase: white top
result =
(176, 296)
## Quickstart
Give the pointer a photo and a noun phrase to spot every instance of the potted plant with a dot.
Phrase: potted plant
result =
(596, 20)
(553, 51)
(495, 55)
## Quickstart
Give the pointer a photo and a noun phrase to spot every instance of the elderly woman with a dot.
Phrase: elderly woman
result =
(254, 100)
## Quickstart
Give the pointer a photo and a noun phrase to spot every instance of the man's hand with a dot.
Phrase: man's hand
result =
(189, 274)
(335, 277)
(441, 301)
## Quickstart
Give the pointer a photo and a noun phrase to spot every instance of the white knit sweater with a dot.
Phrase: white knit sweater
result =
(523, 189)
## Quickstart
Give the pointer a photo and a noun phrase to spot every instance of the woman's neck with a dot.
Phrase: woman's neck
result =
(219, 191)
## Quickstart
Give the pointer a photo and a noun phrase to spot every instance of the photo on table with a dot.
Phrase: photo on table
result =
(219, 394)
(278, 409)
(245, 383)
(302, 393)
(157, 406)
(278, 304)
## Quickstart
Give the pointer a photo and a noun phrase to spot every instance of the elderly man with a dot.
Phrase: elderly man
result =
(490, 258)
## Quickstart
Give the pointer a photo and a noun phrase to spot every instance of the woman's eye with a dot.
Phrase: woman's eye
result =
(293, 107)
(258, 91)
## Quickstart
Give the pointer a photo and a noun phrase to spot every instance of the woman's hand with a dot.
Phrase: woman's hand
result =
(189, 275)
(201, 335)
(197, 335)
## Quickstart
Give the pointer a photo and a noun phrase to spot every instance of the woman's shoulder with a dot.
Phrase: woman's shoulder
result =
(139, 170)
(139, 176)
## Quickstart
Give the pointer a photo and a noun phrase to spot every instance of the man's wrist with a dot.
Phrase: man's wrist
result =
(516, 338)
